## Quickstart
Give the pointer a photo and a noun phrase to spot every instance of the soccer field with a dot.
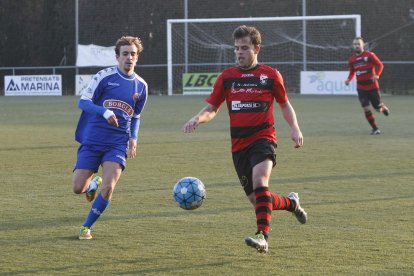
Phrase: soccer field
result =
(357, 189)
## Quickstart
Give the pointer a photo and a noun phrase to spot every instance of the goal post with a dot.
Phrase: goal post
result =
(199, 49)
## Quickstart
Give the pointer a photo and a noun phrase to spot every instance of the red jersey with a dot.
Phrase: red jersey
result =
(249, 95)
(365, 66)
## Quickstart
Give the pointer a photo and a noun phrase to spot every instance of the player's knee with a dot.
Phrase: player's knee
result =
(78, 187)
(260, 181)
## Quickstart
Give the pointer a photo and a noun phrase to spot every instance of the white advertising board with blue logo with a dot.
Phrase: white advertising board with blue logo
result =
(326, 83)
(33, 85)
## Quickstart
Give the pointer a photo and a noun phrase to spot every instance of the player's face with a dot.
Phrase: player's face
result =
(246, 52)
(127, 59)
(358, 46)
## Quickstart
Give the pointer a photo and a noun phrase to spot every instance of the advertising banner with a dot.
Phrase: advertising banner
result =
(326, 83)
(198, 83)
(33, 85)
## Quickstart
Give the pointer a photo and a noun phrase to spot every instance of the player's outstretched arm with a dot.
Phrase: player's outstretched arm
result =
(290, 117)
(205, 115)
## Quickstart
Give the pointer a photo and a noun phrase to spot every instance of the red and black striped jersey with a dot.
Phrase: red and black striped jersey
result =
(365, 66)
(249, 95)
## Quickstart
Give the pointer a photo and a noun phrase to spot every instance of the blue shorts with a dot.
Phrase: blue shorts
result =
(91, 157)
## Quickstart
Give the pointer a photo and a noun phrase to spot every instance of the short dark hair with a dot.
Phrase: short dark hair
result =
(128, 40)
(252, 32)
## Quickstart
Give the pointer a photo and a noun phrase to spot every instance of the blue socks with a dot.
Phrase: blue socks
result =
(98, 207)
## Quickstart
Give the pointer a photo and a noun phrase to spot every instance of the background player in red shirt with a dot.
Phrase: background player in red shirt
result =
(249, 91)
(367, 67)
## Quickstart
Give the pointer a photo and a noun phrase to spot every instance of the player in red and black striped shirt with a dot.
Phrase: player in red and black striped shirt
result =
(367, 67)
(250, 90)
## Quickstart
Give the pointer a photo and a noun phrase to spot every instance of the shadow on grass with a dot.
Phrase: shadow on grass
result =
(68, 238)
(176, 269)
(47, 271)
(336, 177)
(292, 180)
(76, 220)
(173, 269)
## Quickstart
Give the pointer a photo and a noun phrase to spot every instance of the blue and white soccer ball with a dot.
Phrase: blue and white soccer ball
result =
(189, 193)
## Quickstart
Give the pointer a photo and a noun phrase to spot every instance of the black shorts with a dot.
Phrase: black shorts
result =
(370, 96)
(244, 161)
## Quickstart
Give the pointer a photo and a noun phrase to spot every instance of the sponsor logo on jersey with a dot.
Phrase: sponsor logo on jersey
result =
(246, 90)
(257, 106)
(247, 85)
(262, 82)
(263, 79)
(247, 75)
(358, 63)
(117, 104)
(135, 97)
(113, 83)
(362, 72)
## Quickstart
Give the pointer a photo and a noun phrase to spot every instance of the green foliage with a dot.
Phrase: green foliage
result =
(356, 188)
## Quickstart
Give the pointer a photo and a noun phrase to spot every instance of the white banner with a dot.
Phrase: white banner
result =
(94, 55)
(326, 83)
(33, 85)
(81, 83)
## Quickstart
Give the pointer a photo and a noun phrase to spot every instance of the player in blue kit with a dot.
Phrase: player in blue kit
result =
(108, 128)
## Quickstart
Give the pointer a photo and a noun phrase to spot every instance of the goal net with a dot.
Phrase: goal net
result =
(199, 49)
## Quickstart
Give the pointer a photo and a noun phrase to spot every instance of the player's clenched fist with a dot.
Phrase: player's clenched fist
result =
(113, 121)
(190, 126)
(109, 115)
(297, 137)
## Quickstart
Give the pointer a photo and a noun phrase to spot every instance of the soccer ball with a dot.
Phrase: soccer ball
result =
(189, 193)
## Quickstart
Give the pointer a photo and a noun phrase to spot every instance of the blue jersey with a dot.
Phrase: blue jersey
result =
(122, 94)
